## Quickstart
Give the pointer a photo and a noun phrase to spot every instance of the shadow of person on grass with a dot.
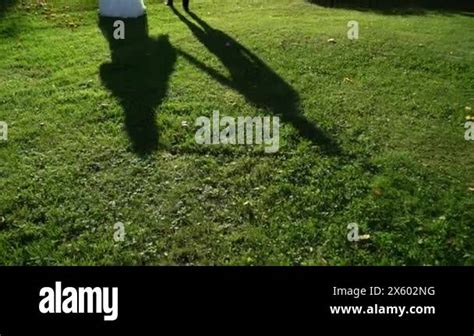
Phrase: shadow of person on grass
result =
(138, 77)
(255, 80)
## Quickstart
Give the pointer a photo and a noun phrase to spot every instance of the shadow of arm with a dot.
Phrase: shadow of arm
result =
(203, 67)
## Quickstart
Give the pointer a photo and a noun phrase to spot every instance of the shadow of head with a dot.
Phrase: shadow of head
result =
(137, 76)
(255, 80)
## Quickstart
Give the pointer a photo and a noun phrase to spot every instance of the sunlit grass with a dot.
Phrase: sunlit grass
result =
(394, 102)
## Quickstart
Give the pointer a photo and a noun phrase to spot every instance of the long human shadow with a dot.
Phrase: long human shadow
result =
(138, 77)
(255, 80)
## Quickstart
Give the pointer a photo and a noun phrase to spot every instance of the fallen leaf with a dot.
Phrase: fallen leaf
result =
(378, 192)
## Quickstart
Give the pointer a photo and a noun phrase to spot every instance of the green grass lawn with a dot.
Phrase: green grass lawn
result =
(87, 149)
